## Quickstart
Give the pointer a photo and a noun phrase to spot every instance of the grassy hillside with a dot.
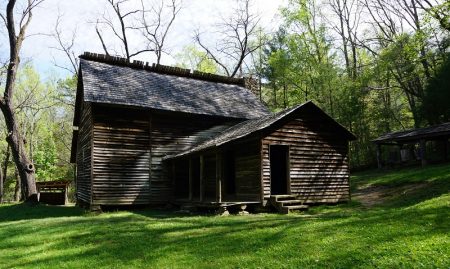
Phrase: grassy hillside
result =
(410, 227)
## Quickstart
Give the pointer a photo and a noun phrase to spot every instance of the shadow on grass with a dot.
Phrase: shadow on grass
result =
(152, 239)
(412, 228)
(401, 176)
(23, 211)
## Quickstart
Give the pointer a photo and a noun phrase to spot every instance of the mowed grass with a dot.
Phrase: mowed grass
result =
(410, 230)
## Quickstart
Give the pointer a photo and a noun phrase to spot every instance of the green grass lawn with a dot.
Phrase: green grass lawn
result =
(409, 230)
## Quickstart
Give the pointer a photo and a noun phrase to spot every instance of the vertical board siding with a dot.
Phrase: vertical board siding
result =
(121, 157)
(83, 156)
(319, 170)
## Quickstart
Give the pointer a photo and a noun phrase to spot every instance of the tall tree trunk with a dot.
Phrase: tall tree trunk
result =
(17, 189)
(15, 141)
(1, 184)
(3, 174)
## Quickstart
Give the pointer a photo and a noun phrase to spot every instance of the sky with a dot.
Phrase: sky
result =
(80, 16)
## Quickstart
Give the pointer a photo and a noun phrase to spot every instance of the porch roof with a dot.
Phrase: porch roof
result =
(435, 131)
(249, 127)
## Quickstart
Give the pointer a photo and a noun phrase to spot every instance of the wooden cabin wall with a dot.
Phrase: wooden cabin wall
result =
(171, 134)
(319, 170)
(121, 156)
(83, 157)
(129, 145)
(248, 171)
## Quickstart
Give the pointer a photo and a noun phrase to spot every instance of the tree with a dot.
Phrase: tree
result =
(65, 46)
(155, 30)
(238, 39)
(436, 102)
(192, 58)
(14, 138)
(126, 20)
(313, 69)
(439, 11)
(348, 13)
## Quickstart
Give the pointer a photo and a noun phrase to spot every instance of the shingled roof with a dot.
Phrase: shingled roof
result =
(136, 84)
(415, 134)
(249, 127)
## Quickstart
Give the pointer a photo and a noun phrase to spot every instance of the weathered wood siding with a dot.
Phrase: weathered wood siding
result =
(248, 171)
(171, 134)
(83, 156)
(128, 147)
(319, 171)
(121, 156)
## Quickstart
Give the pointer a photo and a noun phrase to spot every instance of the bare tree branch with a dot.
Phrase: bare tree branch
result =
(66, 47)
(239, 32)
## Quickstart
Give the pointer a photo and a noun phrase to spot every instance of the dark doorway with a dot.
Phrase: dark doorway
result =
(230, 173)
(279, 165)
(181, 179)
(195, 162)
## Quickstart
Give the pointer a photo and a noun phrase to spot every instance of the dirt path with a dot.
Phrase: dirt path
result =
(370, 196)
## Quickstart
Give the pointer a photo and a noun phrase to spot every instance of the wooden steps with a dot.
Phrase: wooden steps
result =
(287, 203)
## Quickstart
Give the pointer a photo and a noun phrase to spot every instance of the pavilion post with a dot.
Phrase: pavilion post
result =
(423, 152)
(379, 162)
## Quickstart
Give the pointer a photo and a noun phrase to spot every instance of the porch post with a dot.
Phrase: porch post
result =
(190, 178)
(218, 177)
(202, 175)
(423, 152)
(173, 180)
(379, 162)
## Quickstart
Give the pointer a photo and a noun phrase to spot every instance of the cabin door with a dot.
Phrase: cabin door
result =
(279, 169)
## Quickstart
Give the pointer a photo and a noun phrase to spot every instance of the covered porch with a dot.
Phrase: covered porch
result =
(415, 146)
(221, 177)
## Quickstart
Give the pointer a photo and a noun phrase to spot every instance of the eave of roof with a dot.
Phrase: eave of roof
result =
(415, 134)
(249, 127)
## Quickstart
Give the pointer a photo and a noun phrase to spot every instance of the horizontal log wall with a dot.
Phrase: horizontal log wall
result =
(319, 171)
(83, 156)
(121, 157)
(129, 145)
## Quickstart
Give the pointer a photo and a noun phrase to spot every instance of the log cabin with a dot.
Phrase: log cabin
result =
(154, 135)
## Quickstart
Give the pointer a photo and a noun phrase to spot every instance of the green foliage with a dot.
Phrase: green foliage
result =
(382, 86)
(436, 103)
(192, 58)
(45, 158)
(410, 230)
(44, 110)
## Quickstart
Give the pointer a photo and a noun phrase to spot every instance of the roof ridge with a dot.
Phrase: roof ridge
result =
(164, 69)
